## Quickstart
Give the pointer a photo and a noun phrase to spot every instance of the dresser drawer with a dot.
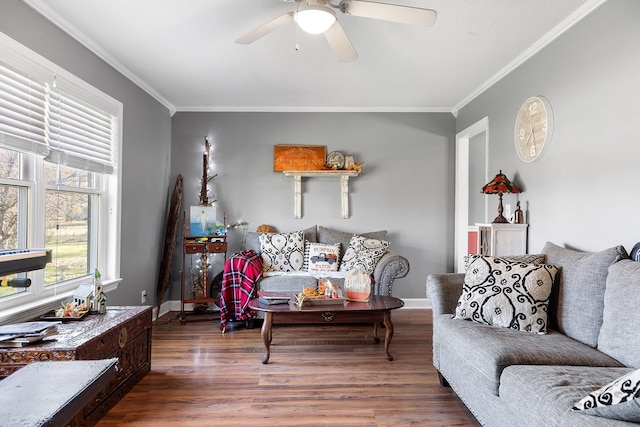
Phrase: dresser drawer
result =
(217, 247)
(194, 248)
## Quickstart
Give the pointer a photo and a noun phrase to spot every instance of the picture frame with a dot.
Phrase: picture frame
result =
(202, 220)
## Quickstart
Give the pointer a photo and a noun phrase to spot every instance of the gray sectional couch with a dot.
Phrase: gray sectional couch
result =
(509, 377)
(389, 267)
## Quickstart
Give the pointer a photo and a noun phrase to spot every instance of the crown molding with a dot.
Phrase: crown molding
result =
(294, 109)
(43, 9)
(550, 36)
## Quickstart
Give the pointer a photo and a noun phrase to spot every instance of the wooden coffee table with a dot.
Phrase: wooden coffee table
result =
(376, 310)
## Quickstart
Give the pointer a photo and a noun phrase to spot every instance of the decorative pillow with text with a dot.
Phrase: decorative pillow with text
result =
(508, 294)
(321, 257)
(282, 251)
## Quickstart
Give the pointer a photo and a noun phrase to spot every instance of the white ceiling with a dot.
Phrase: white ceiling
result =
(183, 52)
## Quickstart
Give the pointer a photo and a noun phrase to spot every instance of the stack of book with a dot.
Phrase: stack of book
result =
(20, 334)
(273, 297)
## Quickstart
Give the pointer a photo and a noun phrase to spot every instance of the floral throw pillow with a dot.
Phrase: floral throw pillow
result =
(618, 400)
(363, 253)
(508, 294)
(282, 251)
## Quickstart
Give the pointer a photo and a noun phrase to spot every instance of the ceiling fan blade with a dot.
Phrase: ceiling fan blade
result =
(265, 29)
(390, 12)
(339, 43)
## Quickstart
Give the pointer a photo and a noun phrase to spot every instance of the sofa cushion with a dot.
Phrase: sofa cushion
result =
(619, 399)
(619, 336)
(549, 392)
(509, 294)
(282, 251)
(363, 253)
(577, 300)
(293, 283)
(331, 236)
(488, 350)
(321, 257)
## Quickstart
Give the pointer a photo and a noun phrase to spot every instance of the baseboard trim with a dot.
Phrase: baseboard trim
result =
(416, 303)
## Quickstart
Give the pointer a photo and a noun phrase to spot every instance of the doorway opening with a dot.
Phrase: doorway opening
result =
(472, 161)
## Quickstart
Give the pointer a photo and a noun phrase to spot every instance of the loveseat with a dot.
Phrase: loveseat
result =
(548, 366)
(369, 252)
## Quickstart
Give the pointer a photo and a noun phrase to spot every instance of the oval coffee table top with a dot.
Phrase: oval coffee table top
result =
(375, 302)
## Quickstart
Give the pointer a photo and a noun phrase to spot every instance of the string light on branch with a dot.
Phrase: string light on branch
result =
(206, 176)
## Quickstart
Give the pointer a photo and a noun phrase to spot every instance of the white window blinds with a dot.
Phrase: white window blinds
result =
(46, 111)
(22, 112)
(79, 134)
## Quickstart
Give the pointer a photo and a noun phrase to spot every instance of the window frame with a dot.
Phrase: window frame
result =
(38, 298)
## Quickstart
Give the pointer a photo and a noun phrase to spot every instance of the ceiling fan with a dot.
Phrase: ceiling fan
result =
(319, 17)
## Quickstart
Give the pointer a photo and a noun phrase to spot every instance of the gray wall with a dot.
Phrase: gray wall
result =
(583, 191)
(146, 146)
(406, 187)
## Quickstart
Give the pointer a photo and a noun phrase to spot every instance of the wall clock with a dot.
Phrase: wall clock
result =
(534, 127)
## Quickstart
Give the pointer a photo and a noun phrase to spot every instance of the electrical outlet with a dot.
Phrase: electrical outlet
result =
(143, 297)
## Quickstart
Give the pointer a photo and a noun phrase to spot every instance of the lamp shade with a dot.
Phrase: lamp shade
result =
(500, 184)
(315, 19)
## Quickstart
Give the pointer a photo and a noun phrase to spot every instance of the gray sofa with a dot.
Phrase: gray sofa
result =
(510, 377)
(390, 266)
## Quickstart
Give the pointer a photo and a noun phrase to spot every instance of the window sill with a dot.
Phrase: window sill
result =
(29, 311)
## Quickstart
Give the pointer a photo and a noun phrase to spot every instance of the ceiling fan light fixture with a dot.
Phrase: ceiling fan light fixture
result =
(315, 19)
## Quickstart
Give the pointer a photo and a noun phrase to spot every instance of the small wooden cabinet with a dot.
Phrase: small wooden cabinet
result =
(122, 332)
(196, 284)
(502, 239)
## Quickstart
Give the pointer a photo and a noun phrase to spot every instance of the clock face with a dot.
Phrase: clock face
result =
(534, 126)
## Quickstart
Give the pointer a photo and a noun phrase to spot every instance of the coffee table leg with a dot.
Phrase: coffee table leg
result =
(266, 335)
(376, 339)
(389, 334)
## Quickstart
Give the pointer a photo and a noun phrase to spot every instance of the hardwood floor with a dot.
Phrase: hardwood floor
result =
(317, 376)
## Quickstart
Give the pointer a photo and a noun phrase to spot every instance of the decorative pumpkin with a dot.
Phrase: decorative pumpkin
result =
(264, 228)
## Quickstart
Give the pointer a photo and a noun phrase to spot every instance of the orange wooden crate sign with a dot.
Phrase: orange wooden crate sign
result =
(299, 157)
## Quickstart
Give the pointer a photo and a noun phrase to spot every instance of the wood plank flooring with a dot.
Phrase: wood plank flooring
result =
(323, 375)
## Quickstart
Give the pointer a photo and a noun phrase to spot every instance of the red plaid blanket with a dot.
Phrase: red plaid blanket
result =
(241, 272)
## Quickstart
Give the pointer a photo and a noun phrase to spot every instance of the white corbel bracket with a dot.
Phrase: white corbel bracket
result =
(344, 176)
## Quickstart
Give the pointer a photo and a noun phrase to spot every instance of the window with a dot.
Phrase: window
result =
(59, 175)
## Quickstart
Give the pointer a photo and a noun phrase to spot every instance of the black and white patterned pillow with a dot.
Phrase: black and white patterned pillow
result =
(526, 258)
(618, 400)
(509, 294)
(282, 251)
(363, 253)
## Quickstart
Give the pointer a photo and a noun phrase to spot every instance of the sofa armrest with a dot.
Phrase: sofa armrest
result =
(390, 267)
(443, 291)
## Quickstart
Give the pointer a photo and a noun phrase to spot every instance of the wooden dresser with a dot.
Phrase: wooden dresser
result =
(122, 332)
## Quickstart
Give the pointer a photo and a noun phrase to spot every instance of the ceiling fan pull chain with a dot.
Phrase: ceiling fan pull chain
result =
(297, 36)
(297, 32)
